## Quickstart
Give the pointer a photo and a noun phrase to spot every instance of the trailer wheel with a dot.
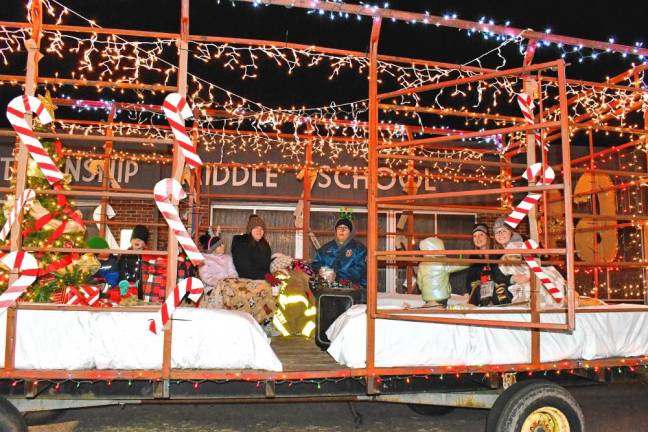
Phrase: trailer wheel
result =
(535, 406)
(430, 410)
(10, 418)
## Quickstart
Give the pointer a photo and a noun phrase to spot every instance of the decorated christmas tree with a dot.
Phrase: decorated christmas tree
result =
(51, 222)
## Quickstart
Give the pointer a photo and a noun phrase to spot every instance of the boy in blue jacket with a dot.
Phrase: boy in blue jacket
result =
(343, 259)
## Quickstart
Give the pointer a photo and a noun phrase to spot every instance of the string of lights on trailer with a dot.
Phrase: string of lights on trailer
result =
(446, 373)
(487, 27)
(587, 95)
(220, 137)
(57, 45)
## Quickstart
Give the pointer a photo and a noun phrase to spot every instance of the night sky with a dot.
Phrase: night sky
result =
(597, 20)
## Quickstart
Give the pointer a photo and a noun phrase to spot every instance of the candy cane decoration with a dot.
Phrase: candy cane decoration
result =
(16, 110)
(27, 267)
(522, 209)
(110, 213)
(161, 193)
(557, 294)
(23, 203)
(526, 106)
(176, 111)
(191, 287)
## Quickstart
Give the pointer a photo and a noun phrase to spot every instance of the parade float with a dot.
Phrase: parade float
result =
(563, 159)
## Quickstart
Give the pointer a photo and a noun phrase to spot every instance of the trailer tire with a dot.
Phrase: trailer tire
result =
(535, 402)
(430, 410)
(10, 418)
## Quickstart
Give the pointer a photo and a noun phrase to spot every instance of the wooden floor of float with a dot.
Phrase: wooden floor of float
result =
(298, 353)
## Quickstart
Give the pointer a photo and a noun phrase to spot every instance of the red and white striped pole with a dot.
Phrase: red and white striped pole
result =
(527, 106)
(557, 294)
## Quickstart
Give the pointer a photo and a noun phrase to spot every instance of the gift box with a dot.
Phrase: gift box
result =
(86, 295)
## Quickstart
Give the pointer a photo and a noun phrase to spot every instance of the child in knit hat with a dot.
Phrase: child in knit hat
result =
(130, 266)
(218, 265)
(108, 272)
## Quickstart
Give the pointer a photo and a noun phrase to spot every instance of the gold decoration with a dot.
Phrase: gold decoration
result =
(88, 264)
(46, 100)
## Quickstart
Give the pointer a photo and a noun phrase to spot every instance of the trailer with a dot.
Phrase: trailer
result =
(471, 366)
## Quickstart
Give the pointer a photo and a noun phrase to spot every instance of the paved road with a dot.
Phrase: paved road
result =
(619, 407)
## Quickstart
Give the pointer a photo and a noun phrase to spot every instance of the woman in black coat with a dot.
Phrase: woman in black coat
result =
(251, 251)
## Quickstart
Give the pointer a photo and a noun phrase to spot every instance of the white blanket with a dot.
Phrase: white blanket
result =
(202, 339)
(408, 343)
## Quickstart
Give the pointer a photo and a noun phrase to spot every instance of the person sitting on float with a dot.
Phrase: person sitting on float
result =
(130, 266)
(251, 251)
(343, 260)
(520, 286)
(486, 283)
(108, 273)
(217, 265)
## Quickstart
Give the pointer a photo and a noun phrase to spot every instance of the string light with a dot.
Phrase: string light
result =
(340, 128)
(257, 116)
